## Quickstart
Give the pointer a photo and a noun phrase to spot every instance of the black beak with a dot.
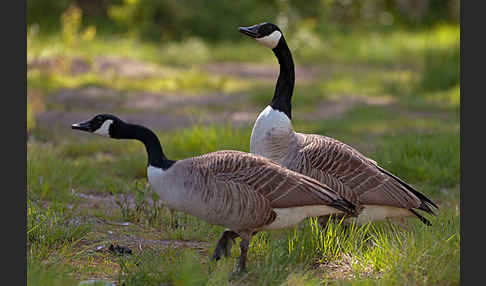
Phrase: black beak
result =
(250, 31)
(84, 126)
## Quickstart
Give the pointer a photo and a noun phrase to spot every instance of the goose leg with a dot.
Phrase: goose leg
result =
(244, 244)
(224, 244)
(173, 219)
(322, 220)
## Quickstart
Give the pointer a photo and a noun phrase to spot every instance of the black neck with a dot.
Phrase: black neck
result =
(286, 79)
(156, 156)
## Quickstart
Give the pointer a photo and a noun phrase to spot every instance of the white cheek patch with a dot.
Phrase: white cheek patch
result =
(271, 40)
(104, 128)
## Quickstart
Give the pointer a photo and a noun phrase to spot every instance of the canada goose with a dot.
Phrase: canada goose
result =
(243, 192)
(379, 193)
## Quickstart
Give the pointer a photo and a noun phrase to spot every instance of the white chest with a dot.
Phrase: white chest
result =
(154, 175)
(271, 129)
(171, 187)
(158, 183)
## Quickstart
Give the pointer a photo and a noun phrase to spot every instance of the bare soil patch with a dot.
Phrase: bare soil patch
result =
(120, 66)
(169, 111)
(336, 108)
(262, 71)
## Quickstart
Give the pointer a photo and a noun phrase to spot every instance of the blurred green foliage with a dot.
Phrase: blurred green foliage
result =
(392, 66)
(441, 69)
(30, 116)
(163, 20)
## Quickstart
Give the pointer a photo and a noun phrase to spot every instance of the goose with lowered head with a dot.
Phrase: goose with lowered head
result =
(380, 194)
(243, 192)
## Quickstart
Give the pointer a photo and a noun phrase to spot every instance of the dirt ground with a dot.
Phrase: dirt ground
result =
(168, 111)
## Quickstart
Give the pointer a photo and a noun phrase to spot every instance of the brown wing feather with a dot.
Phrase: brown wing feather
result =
(232, 204)
(354, 175)
(282, 187)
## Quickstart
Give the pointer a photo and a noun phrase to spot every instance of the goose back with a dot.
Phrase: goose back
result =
(239, 190)
(351, 174)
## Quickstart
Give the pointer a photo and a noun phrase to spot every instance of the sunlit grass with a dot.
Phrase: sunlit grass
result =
(423, 150)
(414, 133)
(363, 124)
(431, 159)
(50, 178)
(378, 254)
(183, 81)
(404, 47)
(370, 82)
(381, 253)
(394, 48)
(447, 99)
(40, 273)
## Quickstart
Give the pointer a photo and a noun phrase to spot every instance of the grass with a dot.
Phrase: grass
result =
(384, 254)
(386, 48)
(39, 273)
(189, 81)
(413, 131)
(372, 254)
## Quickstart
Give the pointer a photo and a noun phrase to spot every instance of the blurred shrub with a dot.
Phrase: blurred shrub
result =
(305, 40)
(46, 13)
(35, 105)
(71, 21)
(216, 20)
(354, 14)
(176, 20)
(30, 116)
(441, 69)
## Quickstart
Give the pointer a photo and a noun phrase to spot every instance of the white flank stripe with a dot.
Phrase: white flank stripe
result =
(372, 213)
(287, 217)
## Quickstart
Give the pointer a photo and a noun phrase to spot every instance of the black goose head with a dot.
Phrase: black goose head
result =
(267, 34)
(111, 126)
(101, 124)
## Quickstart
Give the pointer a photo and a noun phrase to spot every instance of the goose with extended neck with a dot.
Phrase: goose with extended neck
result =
(379, 193)
(243, 192)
